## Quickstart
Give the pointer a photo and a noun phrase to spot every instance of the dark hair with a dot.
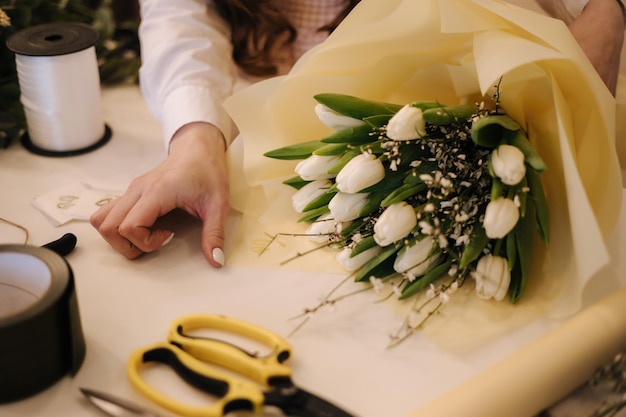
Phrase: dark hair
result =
(259, 30)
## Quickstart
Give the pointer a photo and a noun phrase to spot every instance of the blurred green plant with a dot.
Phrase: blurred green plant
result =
(117, 49)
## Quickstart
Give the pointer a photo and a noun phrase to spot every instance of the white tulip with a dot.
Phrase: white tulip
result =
(334, 120)
(345, 207)
(492, 277)
(355, 262)
(323, 229)
(394, 223)
(407, 124)
(308, 193)
(501, 216)
(316, 167)
(360, 172)
(508, 164)
(417, 259)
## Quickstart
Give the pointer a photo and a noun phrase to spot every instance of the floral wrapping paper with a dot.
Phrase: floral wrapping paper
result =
(453, 51)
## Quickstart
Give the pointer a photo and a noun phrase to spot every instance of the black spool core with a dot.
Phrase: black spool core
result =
(51, 39)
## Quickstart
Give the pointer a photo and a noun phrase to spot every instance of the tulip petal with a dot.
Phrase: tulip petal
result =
(501, 216)
(507, 163)
(336, 120)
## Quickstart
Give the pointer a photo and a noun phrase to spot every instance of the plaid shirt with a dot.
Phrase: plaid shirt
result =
(306, 16)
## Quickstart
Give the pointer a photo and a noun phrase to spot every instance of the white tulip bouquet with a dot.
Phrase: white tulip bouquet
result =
(422, 197)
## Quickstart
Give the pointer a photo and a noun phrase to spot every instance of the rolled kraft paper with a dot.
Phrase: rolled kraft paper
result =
(543, 372)
(60, 88)
(41, 339)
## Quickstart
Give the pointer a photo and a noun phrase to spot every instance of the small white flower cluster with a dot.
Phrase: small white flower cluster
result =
(424, 192)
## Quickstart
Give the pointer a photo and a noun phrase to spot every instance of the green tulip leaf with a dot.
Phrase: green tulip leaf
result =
(298, 151)
(363, 245)
(413, 152)
(522, 195)
(375, 148)
(322, 200)
(523, 232)
(392, 180)
(497, 188)
(531, 156)
(474, 248)
(355, 107)
(296, 182)
(373, 203)
(352, 227)
(538, 199)
(421, 283)
(312, 215)
(511, 250)
(377, 121)
(413, 176)
(489, 131)
(331, 149)
(345, 158)
(358, 135)
(425, 105)
(402, 193)
(449, 114)
(379, 265)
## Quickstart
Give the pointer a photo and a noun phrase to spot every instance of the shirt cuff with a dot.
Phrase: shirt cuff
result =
(194, 103)
(575, 7)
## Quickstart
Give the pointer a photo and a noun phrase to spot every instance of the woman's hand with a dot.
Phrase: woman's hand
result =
(192, 178)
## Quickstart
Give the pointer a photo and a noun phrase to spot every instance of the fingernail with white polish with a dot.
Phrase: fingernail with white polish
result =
(218, 256)
(168, 240)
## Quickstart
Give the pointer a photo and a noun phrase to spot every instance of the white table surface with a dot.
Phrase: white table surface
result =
(125, 305)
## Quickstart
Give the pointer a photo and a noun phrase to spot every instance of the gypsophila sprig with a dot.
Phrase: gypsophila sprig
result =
(422, 197)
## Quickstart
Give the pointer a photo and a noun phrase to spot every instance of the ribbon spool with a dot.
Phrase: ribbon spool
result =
(59, 83)
(41, 339)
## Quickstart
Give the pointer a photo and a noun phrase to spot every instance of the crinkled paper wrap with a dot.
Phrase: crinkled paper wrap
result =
(452, 51)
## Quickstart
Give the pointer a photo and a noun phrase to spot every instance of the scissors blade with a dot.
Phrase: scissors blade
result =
(296, 402)
(114, 406)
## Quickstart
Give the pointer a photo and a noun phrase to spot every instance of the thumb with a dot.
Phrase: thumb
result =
(213, 240)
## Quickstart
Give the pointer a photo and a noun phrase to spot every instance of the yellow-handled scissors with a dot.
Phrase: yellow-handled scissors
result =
(194, 359)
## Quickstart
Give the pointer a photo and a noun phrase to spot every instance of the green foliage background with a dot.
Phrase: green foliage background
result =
(117, 48)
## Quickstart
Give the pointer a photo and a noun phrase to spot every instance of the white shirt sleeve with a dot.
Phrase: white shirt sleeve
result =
(187, 68)
(566, 10)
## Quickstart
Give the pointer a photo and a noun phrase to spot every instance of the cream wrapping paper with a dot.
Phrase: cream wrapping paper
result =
(543, 372)
(452, 51)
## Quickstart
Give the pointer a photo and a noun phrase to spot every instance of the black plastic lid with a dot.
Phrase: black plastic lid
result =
(50, 39)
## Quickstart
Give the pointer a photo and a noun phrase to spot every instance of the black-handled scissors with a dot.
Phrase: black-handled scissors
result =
(194, 360)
